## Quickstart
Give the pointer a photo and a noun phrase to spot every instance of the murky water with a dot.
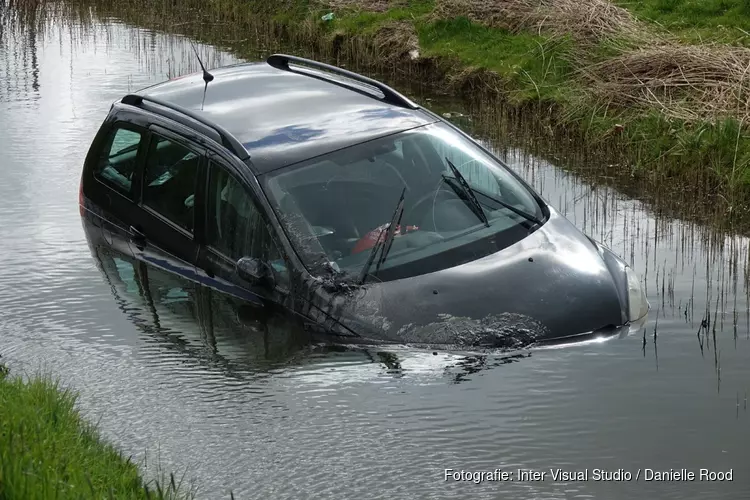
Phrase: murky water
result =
(183, 377)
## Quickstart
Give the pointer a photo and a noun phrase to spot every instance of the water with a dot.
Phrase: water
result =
(177, 376)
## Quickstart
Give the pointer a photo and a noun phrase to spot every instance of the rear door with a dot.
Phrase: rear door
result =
(165, 219)
(111, 179)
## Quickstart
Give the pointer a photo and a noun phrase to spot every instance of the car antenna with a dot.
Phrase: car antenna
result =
(207, 77)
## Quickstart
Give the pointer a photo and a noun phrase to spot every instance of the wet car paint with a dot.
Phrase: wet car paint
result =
(555, 283)
(298, 117)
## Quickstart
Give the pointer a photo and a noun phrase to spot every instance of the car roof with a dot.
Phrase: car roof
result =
(282, 117)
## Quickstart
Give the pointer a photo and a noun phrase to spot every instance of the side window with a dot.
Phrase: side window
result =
(169, 181)
(235, 227)
(117, 163)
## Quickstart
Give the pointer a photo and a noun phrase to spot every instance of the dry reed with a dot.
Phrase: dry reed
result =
(688, 82)
(397, 40)
(586, 20)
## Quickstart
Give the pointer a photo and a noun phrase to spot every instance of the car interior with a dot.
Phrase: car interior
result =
(169, 186)
(119, 163)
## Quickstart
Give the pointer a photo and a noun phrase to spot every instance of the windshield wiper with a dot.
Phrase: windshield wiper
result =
(468, 194)
(384, 244)
(529, 217)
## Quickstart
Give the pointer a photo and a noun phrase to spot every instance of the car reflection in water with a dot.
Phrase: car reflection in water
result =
(196, 320)
(236, 337)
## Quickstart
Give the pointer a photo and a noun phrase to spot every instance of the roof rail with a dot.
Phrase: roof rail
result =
(227, 139)
(390, 96)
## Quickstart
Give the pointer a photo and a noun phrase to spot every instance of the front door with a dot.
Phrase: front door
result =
(164, 232)
(234, 228)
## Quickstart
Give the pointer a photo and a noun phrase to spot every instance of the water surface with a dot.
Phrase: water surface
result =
(182, 377)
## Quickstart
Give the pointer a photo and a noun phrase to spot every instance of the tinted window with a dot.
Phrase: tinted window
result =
(235, 227)
(169, 183)
(117, 163)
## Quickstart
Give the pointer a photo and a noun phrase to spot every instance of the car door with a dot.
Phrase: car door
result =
(235, 227)
(111, 181)
(165, 219)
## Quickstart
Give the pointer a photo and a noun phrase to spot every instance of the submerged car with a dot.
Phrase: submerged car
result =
(304, 187)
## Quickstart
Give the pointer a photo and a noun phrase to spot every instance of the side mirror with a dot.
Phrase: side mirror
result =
(254, 270)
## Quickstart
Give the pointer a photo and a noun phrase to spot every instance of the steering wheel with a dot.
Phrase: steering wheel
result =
(426, 205)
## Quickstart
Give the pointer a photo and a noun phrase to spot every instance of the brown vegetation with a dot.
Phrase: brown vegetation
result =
(684, 81)
(397, 40)
(644, 68)
(586, 20)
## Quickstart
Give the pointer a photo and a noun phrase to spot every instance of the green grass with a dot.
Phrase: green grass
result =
(535, 65)
(725, 21)
(532, 63)
(354, 19)
(48, 452)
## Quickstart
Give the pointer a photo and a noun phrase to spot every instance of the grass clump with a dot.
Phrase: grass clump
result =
(48, 452)
(688, 82)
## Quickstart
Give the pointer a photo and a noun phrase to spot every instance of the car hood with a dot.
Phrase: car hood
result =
(550, 285)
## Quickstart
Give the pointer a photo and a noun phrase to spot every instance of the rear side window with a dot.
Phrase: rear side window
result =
(118, 161)
(169, 181)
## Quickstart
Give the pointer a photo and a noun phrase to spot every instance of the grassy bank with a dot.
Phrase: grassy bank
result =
(48, 452)
(659, 103)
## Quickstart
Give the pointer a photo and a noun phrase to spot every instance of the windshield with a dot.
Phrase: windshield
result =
(337, 207)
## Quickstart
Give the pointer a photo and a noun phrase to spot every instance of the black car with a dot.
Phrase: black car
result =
(303, 187)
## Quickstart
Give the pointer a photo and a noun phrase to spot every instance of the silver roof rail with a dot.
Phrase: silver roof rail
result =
(390, 96)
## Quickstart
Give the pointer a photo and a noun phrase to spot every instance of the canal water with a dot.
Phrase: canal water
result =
(185, 382)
